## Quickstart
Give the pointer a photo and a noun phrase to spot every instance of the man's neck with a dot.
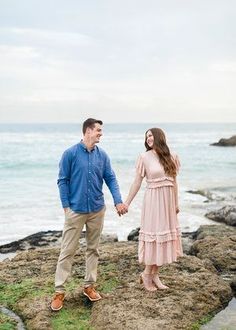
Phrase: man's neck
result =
(88, 144)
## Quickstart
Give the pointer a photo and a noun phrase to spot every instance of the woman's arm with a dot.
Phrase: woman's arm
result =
(134, 188)
(176, 190)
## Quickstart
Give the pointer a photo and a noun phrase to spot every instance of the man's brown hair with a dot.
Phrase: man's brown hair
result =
(90, 122)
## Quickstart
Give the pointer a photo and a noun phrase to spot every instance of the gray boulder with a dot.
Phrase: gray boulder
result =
(133, 235)
(226, 214)
(231, 142)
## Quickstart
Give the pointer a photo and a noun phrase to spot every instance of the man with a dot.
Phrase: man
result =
(82, 170)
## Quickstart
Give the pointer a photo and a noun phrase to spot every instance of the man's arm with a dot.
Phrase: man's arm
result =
(64, 179)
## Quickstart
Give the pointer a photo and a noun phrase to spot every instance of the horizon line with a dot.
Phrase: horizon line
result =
(118, 123)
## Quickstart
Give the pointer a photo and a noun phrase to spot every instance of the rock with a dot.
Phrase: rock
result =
(187, 244)
(203, 192)
(187, 241)
(226, 214)
(50, 238)
(211, 196)
(195, 291)
(216, 244)
(133, 235)
(217, 231)
(233, 284)
(105, 238)
(231, 142)
(129, 307)
(42, 238)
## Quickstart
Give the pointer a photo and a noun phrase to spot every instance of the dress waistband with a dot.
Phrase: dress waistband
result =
(160, 182)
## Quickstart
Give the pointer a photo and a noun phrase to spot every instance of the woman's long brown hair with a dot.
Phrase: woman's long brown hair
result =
(162, 151)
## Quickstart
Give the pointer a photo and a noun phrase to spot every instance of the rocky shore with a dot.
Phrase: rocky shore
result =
(201, 284)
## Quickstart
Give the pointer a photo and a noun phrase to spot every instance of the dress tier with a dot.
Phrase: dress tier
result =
(160, 234)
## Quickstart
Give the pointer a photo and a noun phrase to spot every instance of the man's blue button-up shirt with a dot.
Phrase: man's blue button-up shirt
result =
(80, 180)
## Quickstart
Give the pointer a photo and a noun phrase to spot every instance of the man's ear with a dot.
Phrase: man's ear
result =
(88, 130)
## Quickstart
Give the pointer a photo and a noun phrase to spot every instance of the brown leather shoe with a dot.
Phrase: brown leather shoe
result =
(91, 293)
(57, 301)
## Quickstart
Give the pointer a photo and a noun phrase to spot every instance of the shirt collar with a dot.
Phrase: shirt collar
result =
(83, 146)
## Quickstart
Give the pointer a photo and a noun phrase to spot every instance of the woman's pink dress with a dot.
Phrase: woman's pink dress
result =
(160, 235)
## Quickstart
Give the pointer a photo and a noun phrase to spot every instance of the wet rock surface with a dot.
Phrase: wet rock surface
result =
(133, 235)
(226, 214)
(216, 245)
(203, 192)
(45, 239)
(40, 239)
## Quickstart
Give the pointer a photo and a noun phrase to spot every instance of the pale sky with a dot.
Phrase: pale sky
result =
(117, 60)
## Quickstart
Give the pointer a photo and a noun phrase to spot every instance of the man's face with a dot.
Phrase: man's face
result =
(95, 133)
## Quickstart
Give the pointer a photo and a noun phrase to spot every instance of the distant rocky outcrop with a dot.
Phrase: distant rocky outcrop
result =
(231, 142)
(226, 214)
(210, 196)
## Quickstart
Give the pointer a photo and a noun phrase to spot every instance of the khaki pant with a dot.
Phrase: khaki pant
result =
(74, 223)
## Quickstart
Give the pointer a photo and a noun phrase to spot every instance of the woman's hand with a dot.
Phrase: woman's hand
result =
(121, 209)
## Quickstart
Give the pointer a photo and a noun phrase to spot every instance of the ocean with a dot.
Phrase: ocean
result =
(30, 153)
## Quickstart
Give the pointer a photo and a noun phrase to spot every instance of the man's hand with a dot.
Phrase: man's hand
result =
(177, 210)
(121, 208)
(66, 209)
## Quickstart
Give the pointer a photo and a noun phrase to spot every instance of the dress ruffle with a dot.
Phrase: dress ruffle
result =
(159, 237)
(154, 253)
(165, 181)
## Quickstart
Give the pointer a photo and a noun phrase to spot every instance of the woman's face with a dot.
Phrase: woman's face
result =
(149, 139)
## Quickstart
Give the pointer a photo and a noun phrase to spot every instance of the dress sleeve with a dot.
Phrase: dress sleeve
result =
(140, 167)
(177, 163)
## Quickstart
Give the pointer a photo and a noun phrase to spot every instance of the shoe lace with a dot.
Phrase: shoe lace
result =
(59, 296)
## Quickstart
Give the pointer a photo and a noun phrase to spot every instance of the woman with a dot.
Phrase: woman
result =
(159, 236)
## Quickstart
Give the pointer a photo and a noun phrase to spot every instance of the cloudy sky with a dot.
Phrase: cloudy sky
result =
(118, 60)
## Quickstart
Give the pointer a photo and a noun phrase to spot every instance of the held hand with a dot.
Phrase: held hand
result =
(66, 209)
(121, 208)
